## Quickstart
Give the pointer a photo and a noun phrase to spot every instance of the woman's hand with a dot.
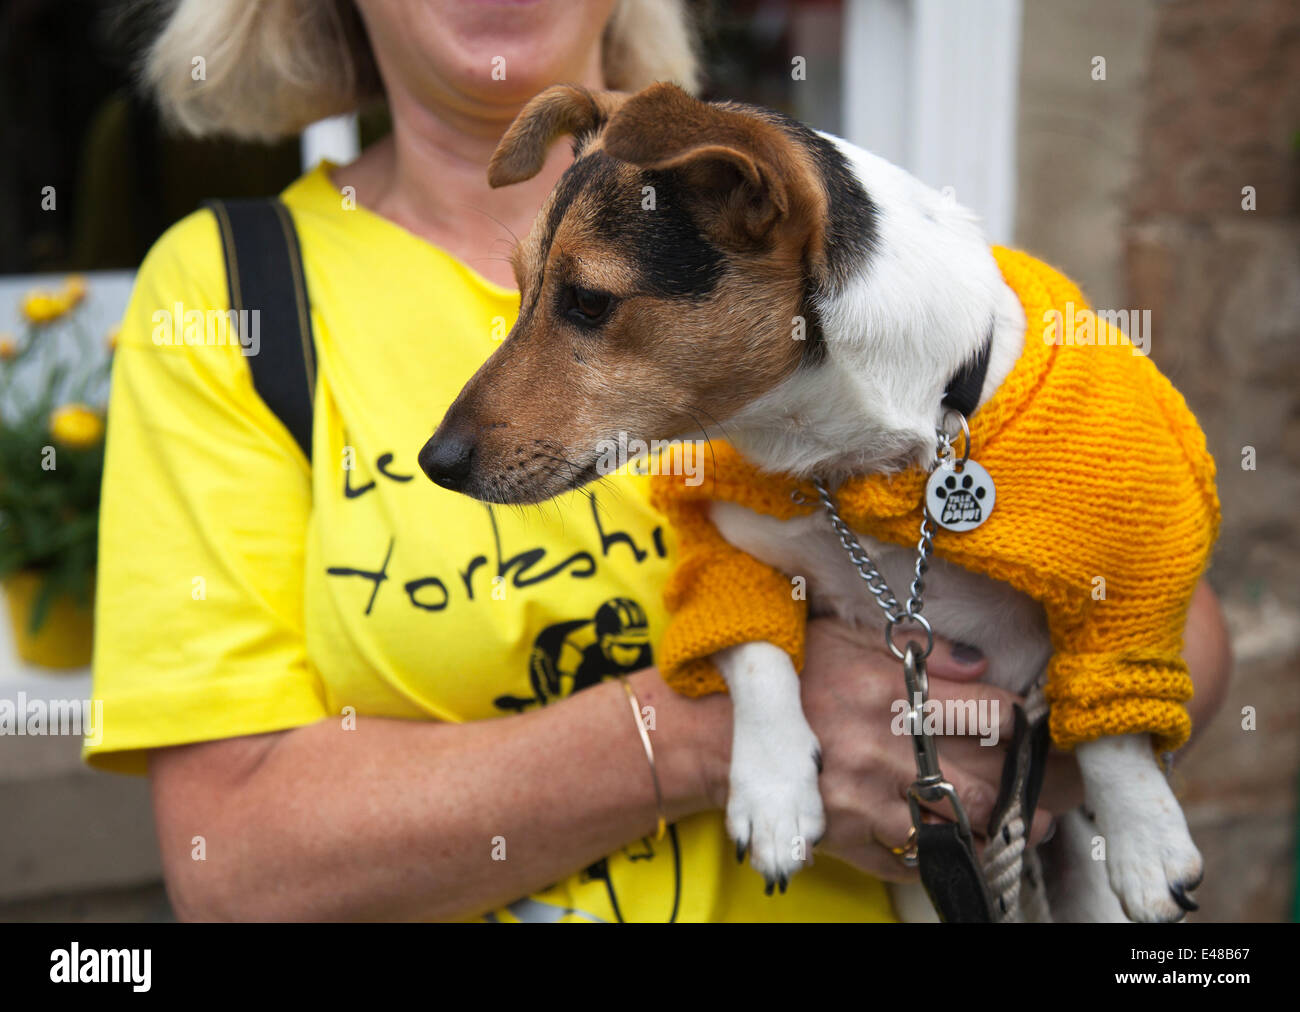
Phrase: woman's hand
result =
(849, 692)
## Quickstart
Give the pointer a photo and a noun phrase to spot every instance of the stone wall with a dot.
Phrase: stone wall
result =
(1134, 184)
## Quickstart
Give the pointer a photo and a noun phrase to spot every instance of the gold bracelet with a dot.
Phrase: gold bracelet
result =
(649, 754)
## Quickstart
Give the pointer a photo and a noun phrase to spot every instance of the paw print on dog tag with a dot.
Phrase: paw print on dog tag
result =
(960, 500)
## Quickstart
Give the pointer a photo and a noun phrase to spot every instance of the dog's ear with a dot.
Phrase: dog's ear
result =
(560, 109)
(747, 165)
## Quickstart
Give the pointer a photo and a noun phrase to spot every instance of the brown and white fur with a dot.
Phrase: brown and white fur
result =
(666, 319)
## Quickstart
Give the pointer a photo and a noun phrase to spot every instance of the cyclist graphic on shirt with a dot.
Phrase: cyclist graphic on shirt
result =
(573, 655)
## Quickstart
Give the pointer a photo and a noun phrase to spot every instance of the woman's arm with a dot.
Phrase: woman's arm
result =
(1208, 652)
(397, 819)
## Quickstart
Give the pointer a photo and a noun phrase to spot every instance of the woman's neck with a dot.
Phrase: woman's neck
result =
(430, 176)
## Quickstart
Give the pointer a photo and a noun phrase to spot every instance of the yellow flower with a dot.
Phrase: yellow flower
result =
(8, 347)
(76, 426)
(74, 289)
(45, 307)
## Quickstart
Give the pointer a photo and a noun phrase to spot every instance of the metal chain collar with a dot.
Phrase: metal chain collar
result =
(911, 612)
(894, 615)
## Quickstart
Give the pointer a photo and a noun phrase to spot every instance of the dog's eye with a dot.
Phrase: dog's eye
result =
(586, 306)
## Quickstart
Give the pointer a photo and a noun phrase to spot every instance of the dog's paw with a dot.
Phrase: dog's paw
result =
(774, 809)
(1153, 870)
(1151, 862)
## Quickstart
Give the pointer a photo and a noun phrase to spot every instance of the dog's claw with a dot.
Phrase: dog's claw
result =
(1182, 899)
(741, 847)
(770, 887)
(784, 881)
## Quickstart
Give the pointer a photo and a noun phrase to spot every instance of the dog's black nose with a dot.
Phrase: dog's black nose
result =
(448, 459)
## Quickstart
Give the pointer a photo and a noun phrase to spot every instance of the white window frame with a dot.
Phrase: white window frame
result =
(932, 86)
(337, 139)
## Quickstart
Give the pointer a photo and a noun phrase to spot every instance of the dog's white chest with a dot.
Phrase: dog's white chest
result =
(1008, 626)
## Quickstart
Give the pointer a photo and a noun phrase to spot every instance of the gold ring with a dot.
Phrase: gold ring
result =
(907, 853)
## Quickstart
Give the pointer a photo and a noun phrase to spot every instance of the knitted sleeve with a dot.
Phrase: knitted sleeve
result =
(1096, 695)
(1118, 666)
(719, 597)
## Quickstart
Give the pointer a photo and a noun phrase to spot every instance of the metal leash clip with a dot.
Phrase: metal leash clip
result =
(929, 786)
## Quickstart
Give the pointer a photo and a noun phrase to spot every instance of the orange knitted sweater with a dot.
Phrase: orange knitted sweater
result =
(1101, 472)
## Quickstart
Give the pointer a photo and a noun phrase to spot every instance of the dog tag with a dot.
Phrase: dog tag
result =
(960, 500)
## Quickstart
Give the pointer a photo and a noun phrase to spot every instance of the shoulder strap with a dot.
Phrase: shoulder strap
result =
(264, 274)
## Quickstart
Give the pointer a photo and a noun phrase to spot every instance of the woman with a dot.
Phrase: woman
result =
(304, 659)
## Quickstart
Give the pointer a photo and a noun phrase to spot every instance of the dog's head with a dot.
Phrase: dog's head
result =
(663, 286)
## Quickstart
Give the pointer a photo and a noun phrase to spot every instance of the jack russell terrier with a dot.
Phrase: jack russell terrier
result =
(719, 267)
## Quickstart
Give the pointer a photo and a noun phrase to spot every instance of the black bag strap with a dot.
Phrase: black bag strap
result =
(264, 274)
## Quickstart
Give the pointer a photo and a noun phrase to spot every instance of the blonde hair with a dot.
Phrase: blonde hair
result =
(271, 67)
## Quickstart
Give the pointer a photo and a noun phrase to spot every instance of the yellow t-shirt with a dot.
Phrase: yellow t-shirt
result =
(242, 591)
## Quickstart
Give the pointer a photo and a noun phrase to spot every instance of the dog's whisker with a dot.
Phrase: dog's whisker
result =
(494, 218)
(721, 428)
(574, 469)
(713, 459)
